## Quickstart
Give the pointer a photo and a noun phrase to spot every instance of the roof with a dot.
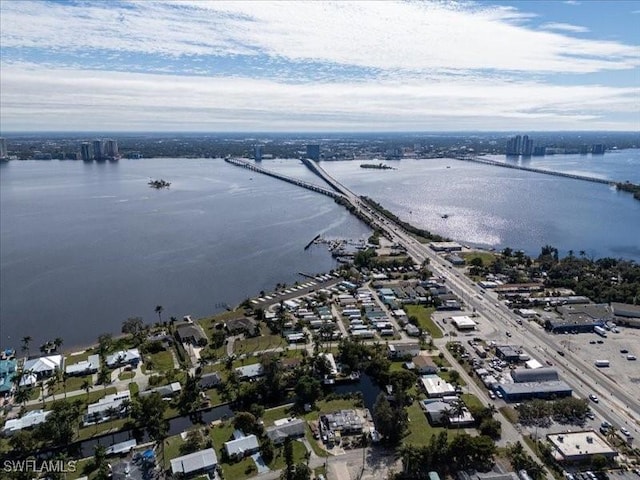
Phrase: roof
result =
(463, 321)
(7, 371)
(240, 323)
(123, 356)
(30, 419)
(110, 401)
(290, 428)
(626, 309)
(588, 442)
(521, 375)
(201, 460)
(436, 386)
(210, 379)
(91, 363)
(423, 361)
(507, 351)
(241, 445)
(189, 330)
(250, 371)
(343, 419)
(535, 387)
(164, 391)
(43, 364)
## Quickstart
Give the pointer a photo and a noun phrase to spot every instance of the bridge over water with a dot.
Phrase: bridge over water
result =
(496, 163)
(310, 186)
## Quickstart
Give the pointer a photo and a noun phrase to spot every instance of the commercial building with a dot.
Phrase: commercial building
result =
(579, 446)
(445, 246)
(626, 314)
(286, 428)
(581, 318)
(196, 463)
(525, 375)
(313, 152)
(515, 392)
(508, 353)
(257, 153)
(28, 420)
(98, 150)
(436, 387)
(463, 322)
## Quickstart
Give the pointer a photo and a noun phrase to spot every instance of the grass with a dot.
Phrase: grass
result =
(214, 396)
(315, 445)
(220, 434)
(396, 366)
(126, 375)
(271, 415)
(487, 257)
(93, 396)
(257, 344)
(446, 376)
(172, 449)
(299, 456)
(207, 323)
(420, 431)
(133, 388)
(510, 414)
(73, 383)
(424, 319)
(82, 469)
(161, 361)
(80, 357)
(471, 401)
(100, 428)
(327, 406)
(245, 468)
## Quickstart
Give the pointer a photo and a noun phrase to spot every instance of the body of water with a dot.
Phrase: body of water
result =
(83, 246)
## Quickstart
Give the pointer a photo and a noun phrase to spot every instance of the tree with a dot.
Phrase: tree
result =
(194, 442)
(454, 376)
(105, 341)
(189, 400)
(26, 341)
(134, 326)
(288, 459)
(86, 385)
(57, 343)
(383, 415)
(60, 426)
(247, 423)
(159, 309)
(23, 441)
(267, 450)
(308, 389)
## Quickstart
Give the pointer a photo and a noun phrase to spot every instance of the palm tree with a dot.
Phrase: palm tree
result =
(86, 386)
(159, 309)
(21, 396)
(51, 385)
(25, 344)
(456, 410)
(57, 343)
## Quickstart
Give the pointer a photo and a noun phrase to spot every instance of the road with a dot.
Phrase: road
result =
(616, 405)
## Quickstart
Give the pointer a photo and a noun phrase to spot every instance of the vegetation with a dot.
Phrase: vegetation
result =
(422, 317)
(629, 187)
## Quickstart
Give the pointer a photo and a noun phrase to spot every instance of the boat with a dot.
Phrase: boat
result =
(377, 166)
(159, 183)
(445, 216)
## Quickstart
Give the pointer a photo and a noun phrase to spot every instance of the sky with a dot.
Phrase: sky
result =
(303, 66)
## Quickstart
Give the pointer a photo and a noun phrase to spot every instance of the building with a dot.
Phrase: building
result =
(209, 380)
(508, 353)
(98, 150)
(87, 367)
(43, 367)
(400, 350)
(257, 153)
(4, 153)
(514, 145)
(598, 149)
(85, 151)
(445, 246)
(111, 406)
(313, 152)
(463, 322)
(581, 318)
(196, 463)
(525, 375)
(527, 146)
(165, 391)
(626, 314)
(7, 372)
(242, 446)
(424, 365)
(241, 325)
(579, 446)
(124, 357)
(331, 362)
(28, 420)
(436, 387)
(191, 333)
(515, 392)
(286, 428)
(345, 422)
(439, 413)
(456, 260)
(249, 372)
(111, 149)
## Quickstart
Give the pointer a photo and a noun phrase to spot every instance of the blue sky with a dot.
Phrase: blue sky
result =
(181, 65)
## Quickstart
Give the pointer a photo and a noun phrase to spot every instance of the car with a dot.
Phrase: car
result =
(499, 394)
(508, 334)
(593, 398)
(605, 424)
(561, 353)
(599, 341)
(492, 395)
(625, 432)
(624, 350)
(592, 342)
(590, 416)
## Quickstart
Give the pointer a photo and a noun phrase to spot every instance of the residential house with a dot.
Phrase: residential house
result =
(286, 428)
(124, 357)
(196, 463)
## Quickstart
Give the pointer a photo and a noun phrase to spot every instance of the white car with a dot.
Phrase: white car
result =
(593, 398)
(625, 432)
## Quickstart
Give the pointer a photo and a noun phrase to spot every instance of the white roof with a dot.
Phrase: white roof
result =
(250, 371)
(241, 445)
(91, 363)
(43, 364)
(123, 356)
(202, 460)
(533, 364)
(332, 362)
(580, 443)
(436, 386)
(28, 420)
(463, 321)
(110, 401)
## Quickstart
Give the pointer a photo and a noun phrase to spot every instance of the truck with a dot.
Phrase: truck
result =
(601, 363)
(600, 331)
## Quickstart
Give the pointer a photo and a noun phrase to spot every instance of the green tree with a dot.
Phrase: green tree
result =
(60, 426)
(308, 389)
(159, 309)
(26, 342)
(194, 442)
(247, 423)
(134, 326)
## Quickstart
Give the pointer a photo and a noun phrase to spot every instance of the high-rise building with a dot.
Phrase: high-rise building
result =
(514, 145)
(98, 150)
(111, 149)
(539, 151)
(527, 146)
(257, 153)
(4, 153)
(313, 152)
(598, 149)
(85, 151)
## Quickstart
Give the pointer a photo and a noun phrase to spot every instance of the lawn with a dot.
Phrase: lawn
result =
(420, 431)
(172, 449)
(273, 414)
(257, 344)
(424, 319)
(214, 396)
(208, 322)
(487, 257)
(100, 428)
(223, 433)
(510, 414)
(447, 377)
(299, 455)
(396, 366)
(93, 396)
(73, 384)
(160, 362)
(471, 401)
(126, 375)
(315, 445)
(79, 357)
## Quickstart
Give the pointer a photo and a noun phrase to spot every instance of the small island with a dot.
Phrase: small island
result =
(378, 166)
(159, 183)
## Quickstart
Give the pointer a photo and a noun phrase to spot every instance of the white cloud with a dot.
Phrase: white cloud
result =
(572, 2)
(391, 36)
(564, 27)
(37, 98)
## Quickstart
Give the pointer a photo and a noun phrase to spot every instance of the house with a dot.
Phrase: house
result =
(345, 422)
(240, 325)
(435, 386)
(424, 364)
(249, 372)
(113, 405)
(124, 357)
(43, 367)
(30, 419)
(165, 391)
(191, 333)
(196, 463)
(331, 362)
(440, 413)
(7, 372)
(400, 350)
(242, 446)
(209, 380)
(284, 428)
(87, 367)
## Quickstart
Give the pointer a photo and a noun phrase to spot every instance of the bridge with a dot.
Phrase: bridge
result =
(496, 163)
(309, 186)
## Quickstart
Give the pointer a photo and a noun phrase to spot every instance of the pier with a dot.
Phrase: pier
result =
(496, 163)
(309, 186)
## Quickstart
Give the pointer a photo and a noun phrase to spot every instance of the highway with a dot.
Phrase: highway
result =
(616, 405)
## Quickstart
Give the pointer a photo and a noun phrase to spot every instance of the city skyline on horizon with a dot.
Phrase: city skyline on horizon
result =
(321, 67)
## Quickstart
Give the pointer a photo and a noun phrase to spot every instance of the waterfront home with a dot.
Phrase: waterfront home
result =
(87, 367)
(7, 372)
(30, 419)
(124, 357)
(284, 428)
(344, 422)
(240, 325)
(41, 367)
(249, 372)
(196, 463)
(241, 446)
(111, 406)
(191, 333)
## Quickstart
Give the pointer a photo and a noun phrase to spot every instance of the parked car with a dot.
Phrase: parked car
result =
(625, 432)
(593, 398)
